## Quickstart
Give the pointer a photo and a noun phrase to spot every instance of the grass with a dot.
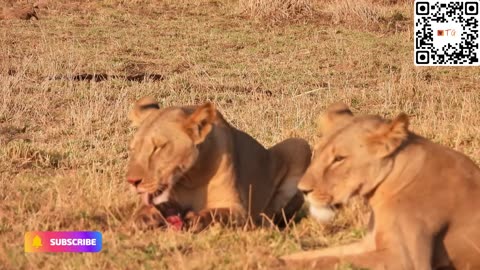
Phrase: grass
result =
(277, 10)
(63, 143)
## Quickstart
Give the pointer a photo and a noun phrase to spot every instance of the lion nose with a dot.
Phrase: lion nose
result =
(306, 191)
(134, 181)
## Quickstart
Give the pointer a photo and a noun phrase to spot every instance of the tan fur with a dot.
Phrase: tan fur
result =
(209, 168)
(424, 197)
(25, 13)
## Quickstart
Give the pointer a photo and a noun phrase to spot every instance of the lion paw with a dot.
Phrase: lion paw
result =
(148, 217)
(194, 222)
(295, 262)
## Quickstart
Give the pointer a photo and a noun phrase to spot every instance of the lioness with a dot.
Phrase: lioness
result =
(425, 198)
(191, 160)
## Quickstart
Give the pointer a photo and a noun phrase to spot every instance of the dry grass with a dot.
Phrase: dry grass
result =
(277, 10)
(63, 143)
(371, 14)
(361, 10)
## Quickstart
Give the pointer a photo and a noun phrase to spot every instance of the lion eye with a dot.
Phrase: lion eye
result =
(159, 147)
(338, 159)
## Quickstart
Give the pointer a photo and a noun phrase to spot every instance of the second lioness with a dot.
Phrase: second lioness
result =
(424, 196)
(193, 159)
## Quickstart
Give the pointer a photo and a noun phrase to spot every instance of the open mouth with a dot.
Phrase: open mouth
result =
(151, 198)
(161, 194)
(158, 196)
(154, 195)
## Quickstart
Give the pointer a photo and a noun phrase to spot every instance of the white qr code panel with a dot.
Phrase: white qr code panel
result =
(446, 33)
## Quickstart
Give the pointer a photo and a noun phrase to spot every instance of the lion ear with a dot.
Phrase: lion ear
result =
(335, 117)
(389, 137)
(142, 108)
(199, 124)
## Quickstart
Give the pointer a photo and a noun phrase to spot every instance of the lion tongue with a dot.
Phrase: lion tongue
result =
(175, 222)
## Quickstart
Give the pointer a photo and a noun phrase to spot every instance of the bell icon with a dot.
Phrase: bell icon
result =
(37, 242)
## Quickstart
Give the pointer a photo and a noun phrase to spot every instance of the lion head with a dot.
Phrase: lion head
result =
(165, 145)
(354, 155)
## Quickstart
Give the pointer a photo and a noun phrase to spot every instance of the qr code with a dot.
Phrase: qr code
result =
(446, 33)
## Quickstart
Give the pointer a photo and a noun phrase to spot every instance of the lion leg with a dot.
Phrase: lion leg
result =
(422, 253)
(374, 260)
(358, 254)
(339, 251)
(329, 258)
(463, 245)
(386, 258)
(407, 240)
(285, 203)
(389, 253)
(288, 213)
(295, 155)
(420, 247)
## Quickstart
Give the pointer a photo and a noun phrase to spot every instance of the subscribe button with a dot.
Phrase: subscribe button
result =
(78, 241)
